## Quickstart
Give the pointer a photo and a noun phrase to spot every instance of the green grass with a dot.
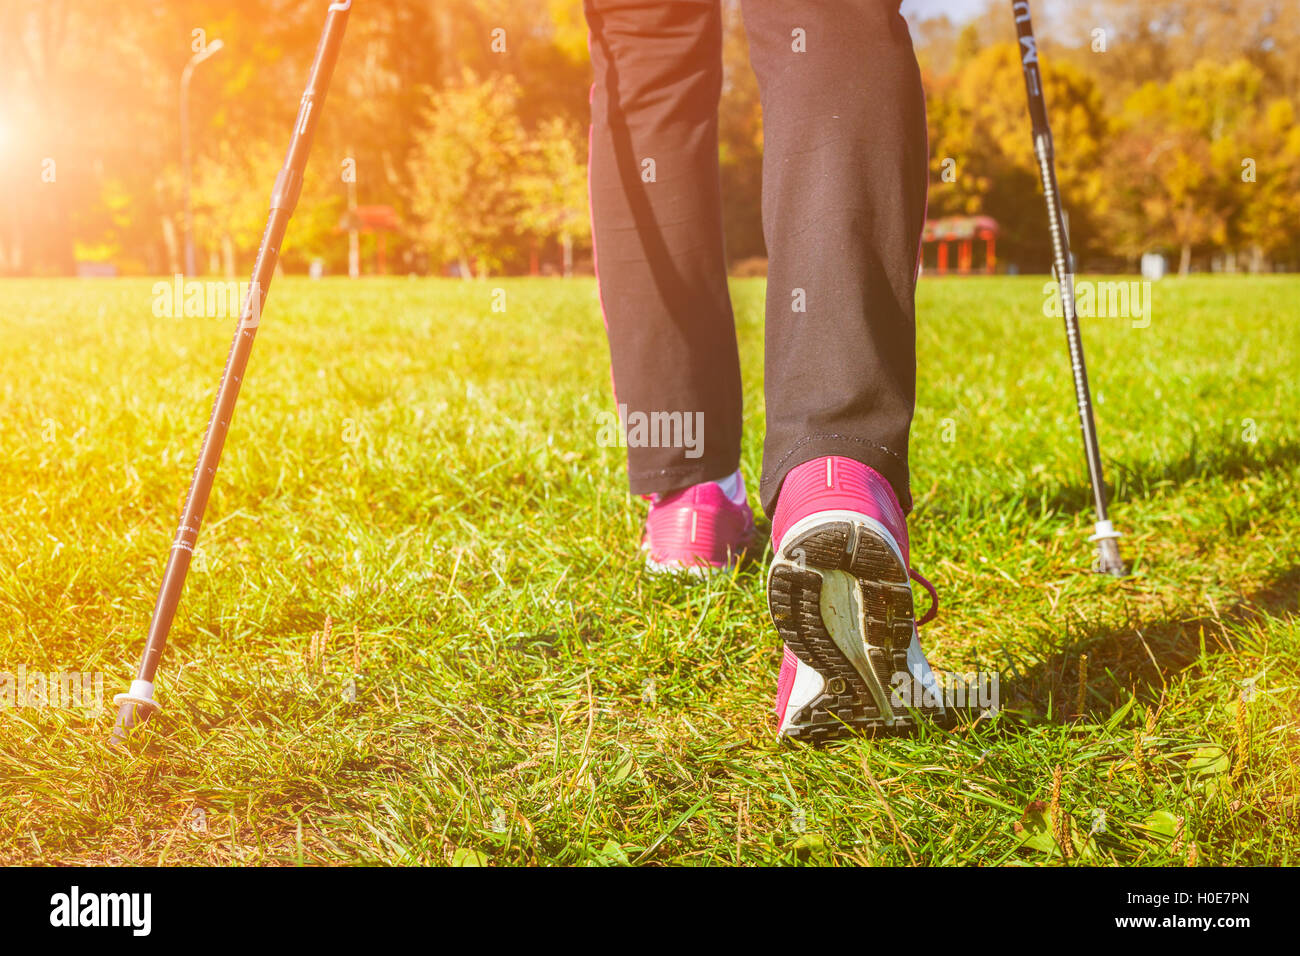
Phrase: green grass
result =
(424, 472)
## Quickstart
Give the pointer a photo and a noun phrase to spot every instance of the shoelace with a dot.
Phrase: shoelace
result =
(929, 615)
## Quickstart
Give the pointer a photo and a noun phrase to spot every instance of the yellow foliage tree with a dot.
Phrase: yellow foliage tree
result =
(465, 171)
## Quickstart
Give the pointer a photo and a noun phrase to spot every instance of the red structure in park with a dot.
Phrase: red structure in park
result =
(964, 231)
(379, 220)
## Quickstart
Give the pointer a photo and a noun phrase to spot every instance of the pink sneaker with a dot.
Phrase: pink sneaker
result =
(840, 598)
(699, 530)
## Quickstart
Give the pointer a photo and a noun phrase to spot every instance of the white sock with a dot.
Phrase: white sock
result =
(733, 486)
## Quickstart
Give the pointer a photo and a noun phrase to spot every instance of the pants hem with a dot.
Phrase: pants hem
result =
(891, 464)
(664, 480)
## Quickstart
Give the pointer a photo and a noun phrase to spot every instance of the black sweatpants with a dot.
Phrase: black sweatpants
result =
(844, 192)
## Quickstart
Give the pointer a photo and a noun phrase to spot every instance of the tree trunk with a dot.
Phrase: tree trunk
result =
(228, 254)
(169, 241)
(1185, 260)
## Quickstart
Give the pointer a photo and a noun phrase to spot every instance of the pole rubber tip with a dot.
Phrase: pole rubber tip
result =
(1108, 559)
(133, 708)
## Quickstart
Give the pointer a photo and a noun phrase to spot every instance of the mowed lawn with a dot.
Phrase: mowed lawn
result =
(418, 630)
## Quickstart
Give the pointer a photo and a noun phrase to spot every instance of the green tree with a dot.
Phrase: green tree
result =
(464, 167)
(553, 189)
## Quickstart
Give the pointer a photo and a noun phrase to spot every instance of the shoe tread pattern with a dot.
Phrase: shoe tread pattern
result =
(794, 600)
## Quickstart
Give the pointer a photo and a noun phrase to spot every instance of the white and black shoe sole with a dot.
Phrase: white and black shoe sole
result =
(841, 599)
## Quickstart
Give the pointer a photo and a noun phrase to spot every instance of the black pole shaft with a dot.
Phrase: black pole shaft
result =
(1109, 560)
(284, 197)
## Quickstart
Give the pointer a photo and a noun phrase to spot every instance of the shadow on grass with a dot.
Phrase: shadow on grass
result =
(1140, 657)
(1228, 459)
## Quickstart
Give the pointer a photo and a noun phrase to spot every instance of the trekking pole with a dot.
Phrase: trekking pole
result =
(137, 705)
(1108, 558)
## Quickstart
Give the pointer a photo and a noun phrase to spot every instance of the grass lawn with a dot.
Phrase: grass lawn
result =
(418, 630)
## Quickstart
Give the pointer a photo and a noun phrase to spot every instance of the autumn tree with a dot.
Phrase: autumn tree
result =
(981, 150)
(464, 169)
(1178, 159)
(553, 189)
(1270, 177)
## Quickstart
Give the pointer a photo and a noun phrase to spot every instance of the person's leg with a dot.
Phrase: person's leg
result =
(844, 187)
(657, 231)
(844, 195)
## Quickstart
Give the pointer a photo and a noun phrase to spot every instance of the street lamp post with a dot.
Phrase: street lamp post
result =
(186, 171)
